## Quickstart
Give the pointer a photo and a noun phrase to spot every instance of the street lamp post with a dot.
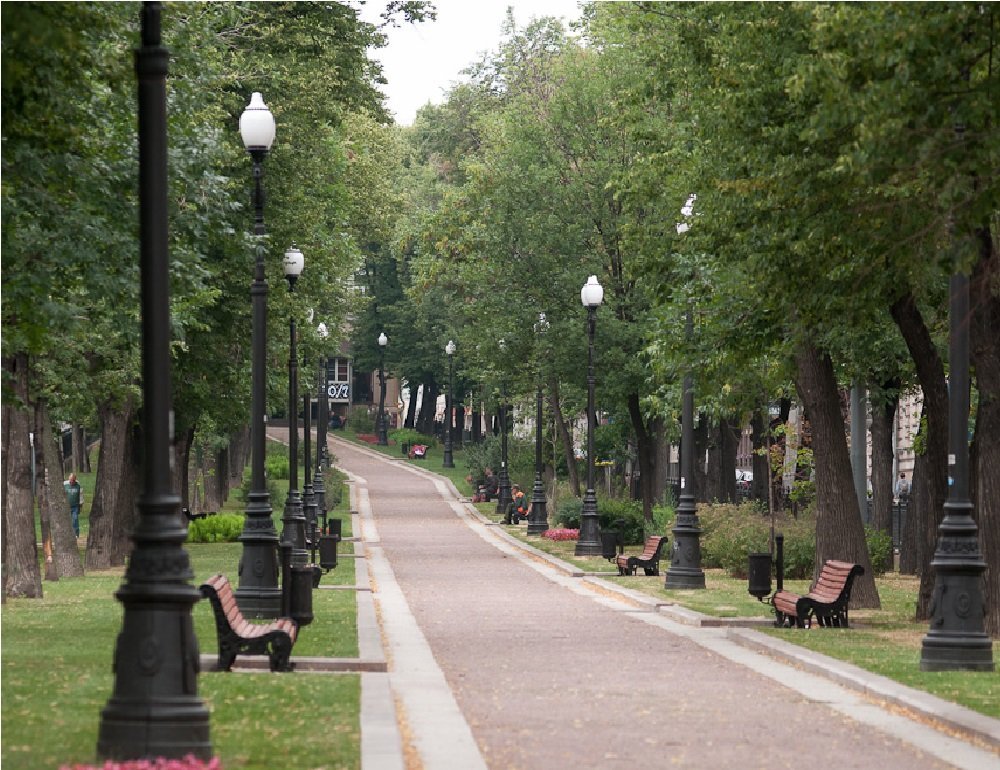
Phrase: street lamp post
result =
(957, 639)
(503, 486)
(589, 544)
(322, 420)
(258, 595)
(685, 564)
(155, 709)
(449, 461)
(308, 492)
(382, 342)
(538, 520)
(293, 531)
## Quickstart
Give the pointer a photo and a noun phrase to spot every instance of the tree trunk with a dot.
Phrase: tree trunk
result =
(884, 401)
(721, 471)
(985, 460)
(112, 512)
(181, 465)
(839, 531)
(702, 439)
(21, 574)
(646, 454)
(411, 410)
(239, 455)
(564, 437)
(81, 457)
(917, 540)
(428, 405)
(930, 372)
(477, 424)
(211, 470)
(52, 499)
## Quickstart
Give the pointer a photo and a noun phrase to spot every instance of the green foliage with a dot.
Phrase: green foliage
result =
(879, 549)
(361, 420)
(220, 528)
(731, 532)
(410, 436)
(276, 466)
(616, 514)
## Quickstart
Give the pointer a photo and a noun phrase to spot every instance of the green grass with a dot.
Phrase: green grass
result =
(57, 656)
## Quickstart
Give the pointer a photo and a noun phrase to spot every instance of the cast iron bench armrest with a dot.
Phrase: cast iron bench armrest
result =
(649, 560)
(238, 636)
(826, 601)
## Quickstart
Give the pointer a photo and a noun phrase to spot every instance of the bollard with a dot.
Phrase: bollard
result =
(300, 609)
(779, 561)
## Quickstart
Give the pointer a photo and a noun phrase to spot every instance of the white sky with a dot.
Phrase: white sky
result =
(422, 61)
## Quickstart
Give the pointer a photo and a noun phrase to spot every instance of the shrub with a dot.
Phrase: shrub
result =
(411, 437)
(731, 532)
(276, 466)
(360, 420)
(879, 549)
(614, 513)
(244, 493)
(221, 528)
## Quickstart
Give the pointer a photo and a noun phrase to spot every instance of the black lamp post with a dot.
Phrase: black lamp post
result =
(449, 461)
(308, 492)
(293, 532)
(957, 639)
(322, 420)
(155, 709)
(685, 562)
(589, 544)
(503, 485)
(382, 342)
(258, 594)
(538, 519)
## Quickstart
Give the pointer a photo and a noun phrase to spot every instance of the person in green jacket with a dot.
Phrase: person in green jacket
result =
(74, 496)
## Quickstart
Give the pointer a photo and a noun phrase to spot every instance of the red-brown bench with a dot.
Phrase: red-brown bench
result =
(649, 559)
(238, 636)
(826, 601)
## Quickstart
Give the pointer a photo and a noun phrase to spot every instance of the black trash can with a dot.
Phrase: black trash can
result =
(759, 575)
(609, 544)
(301, 599)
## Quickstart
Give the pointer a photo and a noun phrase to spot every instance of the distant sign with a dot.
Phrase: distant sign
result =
(338, 392)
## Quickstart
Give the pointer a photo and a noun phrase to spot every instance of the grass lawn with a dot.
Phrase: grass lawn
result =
(58, 652)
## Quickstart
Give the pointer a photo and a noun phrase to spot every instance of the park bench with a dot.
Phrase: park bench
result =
(826, 601)
(649, 559)
(238, 636)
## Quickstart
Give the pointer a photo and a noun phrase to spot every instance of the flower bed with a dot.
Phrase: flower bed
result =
(561, 534)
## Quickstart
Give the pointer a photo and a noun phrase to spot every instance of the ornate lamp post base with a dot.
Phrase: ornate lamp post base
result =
(589, 543)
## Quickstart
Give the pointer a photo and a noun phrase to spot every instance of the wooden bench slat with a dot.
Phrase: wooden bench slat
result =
(827, 599)
(649, 559)
(237, 635)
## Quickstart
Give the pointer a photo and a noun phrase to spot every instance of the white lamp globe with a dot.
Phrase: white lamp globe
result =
(592, 293)
(450, 348)
(257, 124)
(383, 340)
(294, 262)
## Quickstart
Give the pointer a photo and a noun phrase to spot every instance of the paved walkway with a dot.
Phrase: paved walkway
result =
(496, 658)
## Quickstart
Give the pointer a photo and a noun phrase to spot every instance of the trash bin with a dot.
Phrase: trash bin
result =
(301, 599)
(759, 575)
(609, 544)
(404, 448)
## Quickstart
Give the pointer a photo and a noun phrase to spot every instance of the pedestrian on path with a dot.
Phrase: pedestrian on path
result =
(74, 496)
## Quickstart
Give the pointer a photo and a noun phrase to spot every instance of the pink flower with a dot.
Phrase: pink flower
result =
(562, 534)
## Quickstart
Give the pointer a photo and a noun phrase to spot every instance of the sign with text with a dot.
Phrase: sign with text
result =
(338, 392)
